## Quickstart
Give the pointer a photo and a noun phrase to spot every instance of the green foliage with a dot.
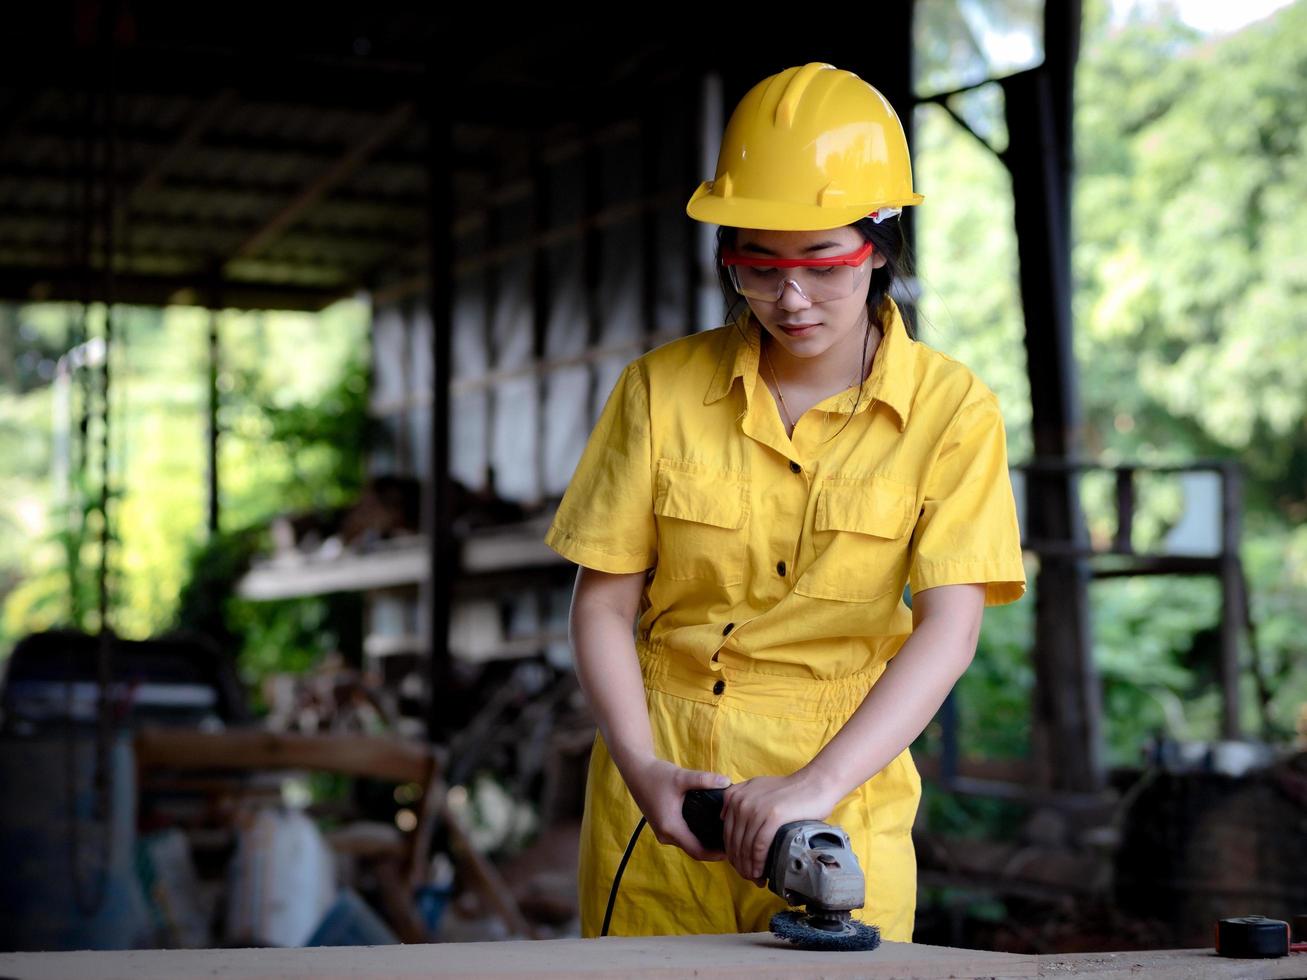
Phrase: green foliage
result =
(1190, 235)
(292, 416)
(1158, 673)
(294, 454)
(994, 694)
(957, 815)
(970, 304)
(1192, 229)
(214, 566)
(287, 635)
(1276, 561)
(297, 445)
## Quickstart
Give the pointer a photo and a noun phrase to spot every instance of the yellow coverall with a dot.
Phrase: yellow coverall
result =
(776, 594)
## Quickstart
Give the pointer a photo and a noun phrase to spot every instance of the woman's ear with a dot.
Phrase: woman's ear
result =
(877, 260)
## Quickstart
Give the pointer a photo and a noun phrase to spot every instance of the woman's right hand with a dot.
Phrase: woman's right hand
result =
(659, 788)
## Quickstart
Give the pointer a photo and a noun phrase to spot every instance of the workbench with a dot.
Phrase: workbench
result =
(755, 956)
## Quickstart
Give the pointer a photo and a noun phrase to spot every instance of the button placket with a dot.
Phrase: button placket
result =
(728, 630)
(720, 685)
(784, 566)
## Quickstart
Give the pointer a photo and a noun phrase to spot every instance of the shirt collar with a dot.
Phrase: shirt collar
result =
(893, 370)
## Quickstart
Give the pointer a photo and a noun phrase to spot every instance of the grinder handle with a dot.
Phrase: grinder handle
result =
(702, 810)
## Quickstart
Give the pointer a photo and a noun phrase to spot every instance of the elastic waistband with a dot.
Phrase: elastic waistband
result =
(738, 685)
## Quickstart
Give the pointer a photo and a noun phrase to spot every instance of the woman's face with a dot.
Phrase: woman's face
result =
(802, 328)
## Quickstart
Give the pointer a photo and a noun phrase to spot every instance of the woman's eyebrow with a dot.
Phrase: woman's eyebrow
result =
(751, 247)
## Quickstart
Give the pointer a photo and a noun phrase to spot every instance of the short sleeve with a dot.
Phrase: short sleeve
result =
(967, 531)
(605, 520)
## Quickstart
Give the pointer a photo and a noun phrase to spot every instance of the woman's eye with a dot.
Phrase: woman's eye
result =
(824, 271)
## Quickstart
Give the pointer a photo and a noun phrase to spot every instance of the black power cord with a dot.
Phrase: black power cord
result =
(617, 878)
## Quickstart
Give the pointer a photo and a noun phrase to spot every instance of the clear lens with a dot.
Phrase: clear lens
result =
(818, 284)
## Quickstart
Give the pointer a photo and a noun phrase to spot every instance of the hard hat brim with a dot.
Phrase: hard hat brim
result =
(743, 212)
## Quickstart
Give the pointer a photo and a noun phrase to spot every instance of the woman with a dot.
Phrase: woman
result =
(757, 496)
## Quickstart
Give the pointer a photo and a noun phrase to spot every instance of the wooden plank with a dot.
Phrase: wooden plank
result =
(755, 956)
(209, 113)
(355, 755)
(1168, 964)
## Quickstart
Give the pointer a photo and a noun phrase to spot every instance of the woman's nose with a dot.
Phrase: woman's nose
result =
(791, 297)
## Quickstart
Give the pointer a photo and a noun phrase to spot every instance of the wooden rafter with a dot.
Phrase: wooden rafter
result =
(322, 185)
(209, 113)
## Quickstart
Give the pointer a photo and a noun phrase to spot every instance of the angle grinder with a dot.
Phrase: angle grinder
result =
(811, 865)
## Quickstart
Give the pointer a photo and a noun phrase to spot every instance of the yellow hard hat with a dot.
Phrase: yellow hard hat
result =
(808, 148)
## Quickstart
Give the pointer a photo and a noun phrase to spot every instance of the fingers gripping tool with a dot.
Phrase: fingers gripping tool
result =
(811, 865)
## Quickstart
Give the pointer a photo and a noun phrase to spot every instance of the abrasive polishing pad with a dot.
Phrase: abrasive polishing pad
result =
(797, 928)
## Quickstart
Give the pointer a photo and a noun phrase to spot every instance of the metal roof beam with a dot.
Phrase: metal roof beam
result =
(64, 285)
(21, 225)
(21, 182)
(154, 141)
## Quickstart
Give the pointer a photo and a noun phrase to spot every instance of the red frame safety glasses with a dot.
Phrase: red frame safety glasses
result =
(817, 280)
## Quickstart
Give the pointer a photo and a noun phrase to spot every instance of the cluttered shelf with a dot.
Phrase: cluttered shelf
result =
(397, 562)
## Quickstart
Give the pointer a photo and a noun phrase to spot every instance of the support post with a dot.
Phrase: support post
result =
(437, 498)
(214, 400)
(1067, 700)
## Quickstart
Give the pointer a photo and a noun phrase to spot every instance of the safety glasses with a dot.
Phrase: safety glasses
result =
(817, 280)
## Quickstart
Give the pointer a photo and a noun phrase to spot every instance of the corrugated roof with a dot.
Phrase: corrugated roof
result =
(272, 157)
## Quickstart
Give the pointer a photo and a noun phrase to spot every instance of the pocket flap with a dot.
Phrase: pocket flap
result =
(701, 495)
(876, 506)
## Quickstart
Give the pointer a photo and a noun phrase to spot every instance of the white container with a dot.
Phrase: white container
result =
(283, 880)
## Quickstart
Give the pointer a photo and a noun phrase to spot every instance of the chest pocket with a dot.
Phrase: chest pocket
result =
(701, 515)
(861, 531)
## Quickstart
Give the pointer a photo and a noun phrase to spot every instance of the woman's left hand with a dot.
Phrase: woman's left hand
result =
(756, 808)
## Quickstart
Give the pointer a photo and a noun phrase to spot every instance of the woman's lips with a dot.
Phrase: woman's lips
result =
(798, 329)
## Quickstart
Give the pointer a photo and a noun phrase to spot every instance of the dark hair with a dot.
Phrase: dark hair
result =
(887, 237)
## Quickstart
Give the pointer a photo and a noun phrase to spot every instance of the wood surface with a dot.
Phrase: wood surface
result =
(756, 956)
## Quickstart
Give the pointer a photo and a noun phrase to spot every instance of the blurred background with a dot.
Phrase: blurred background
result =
(305, 317)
